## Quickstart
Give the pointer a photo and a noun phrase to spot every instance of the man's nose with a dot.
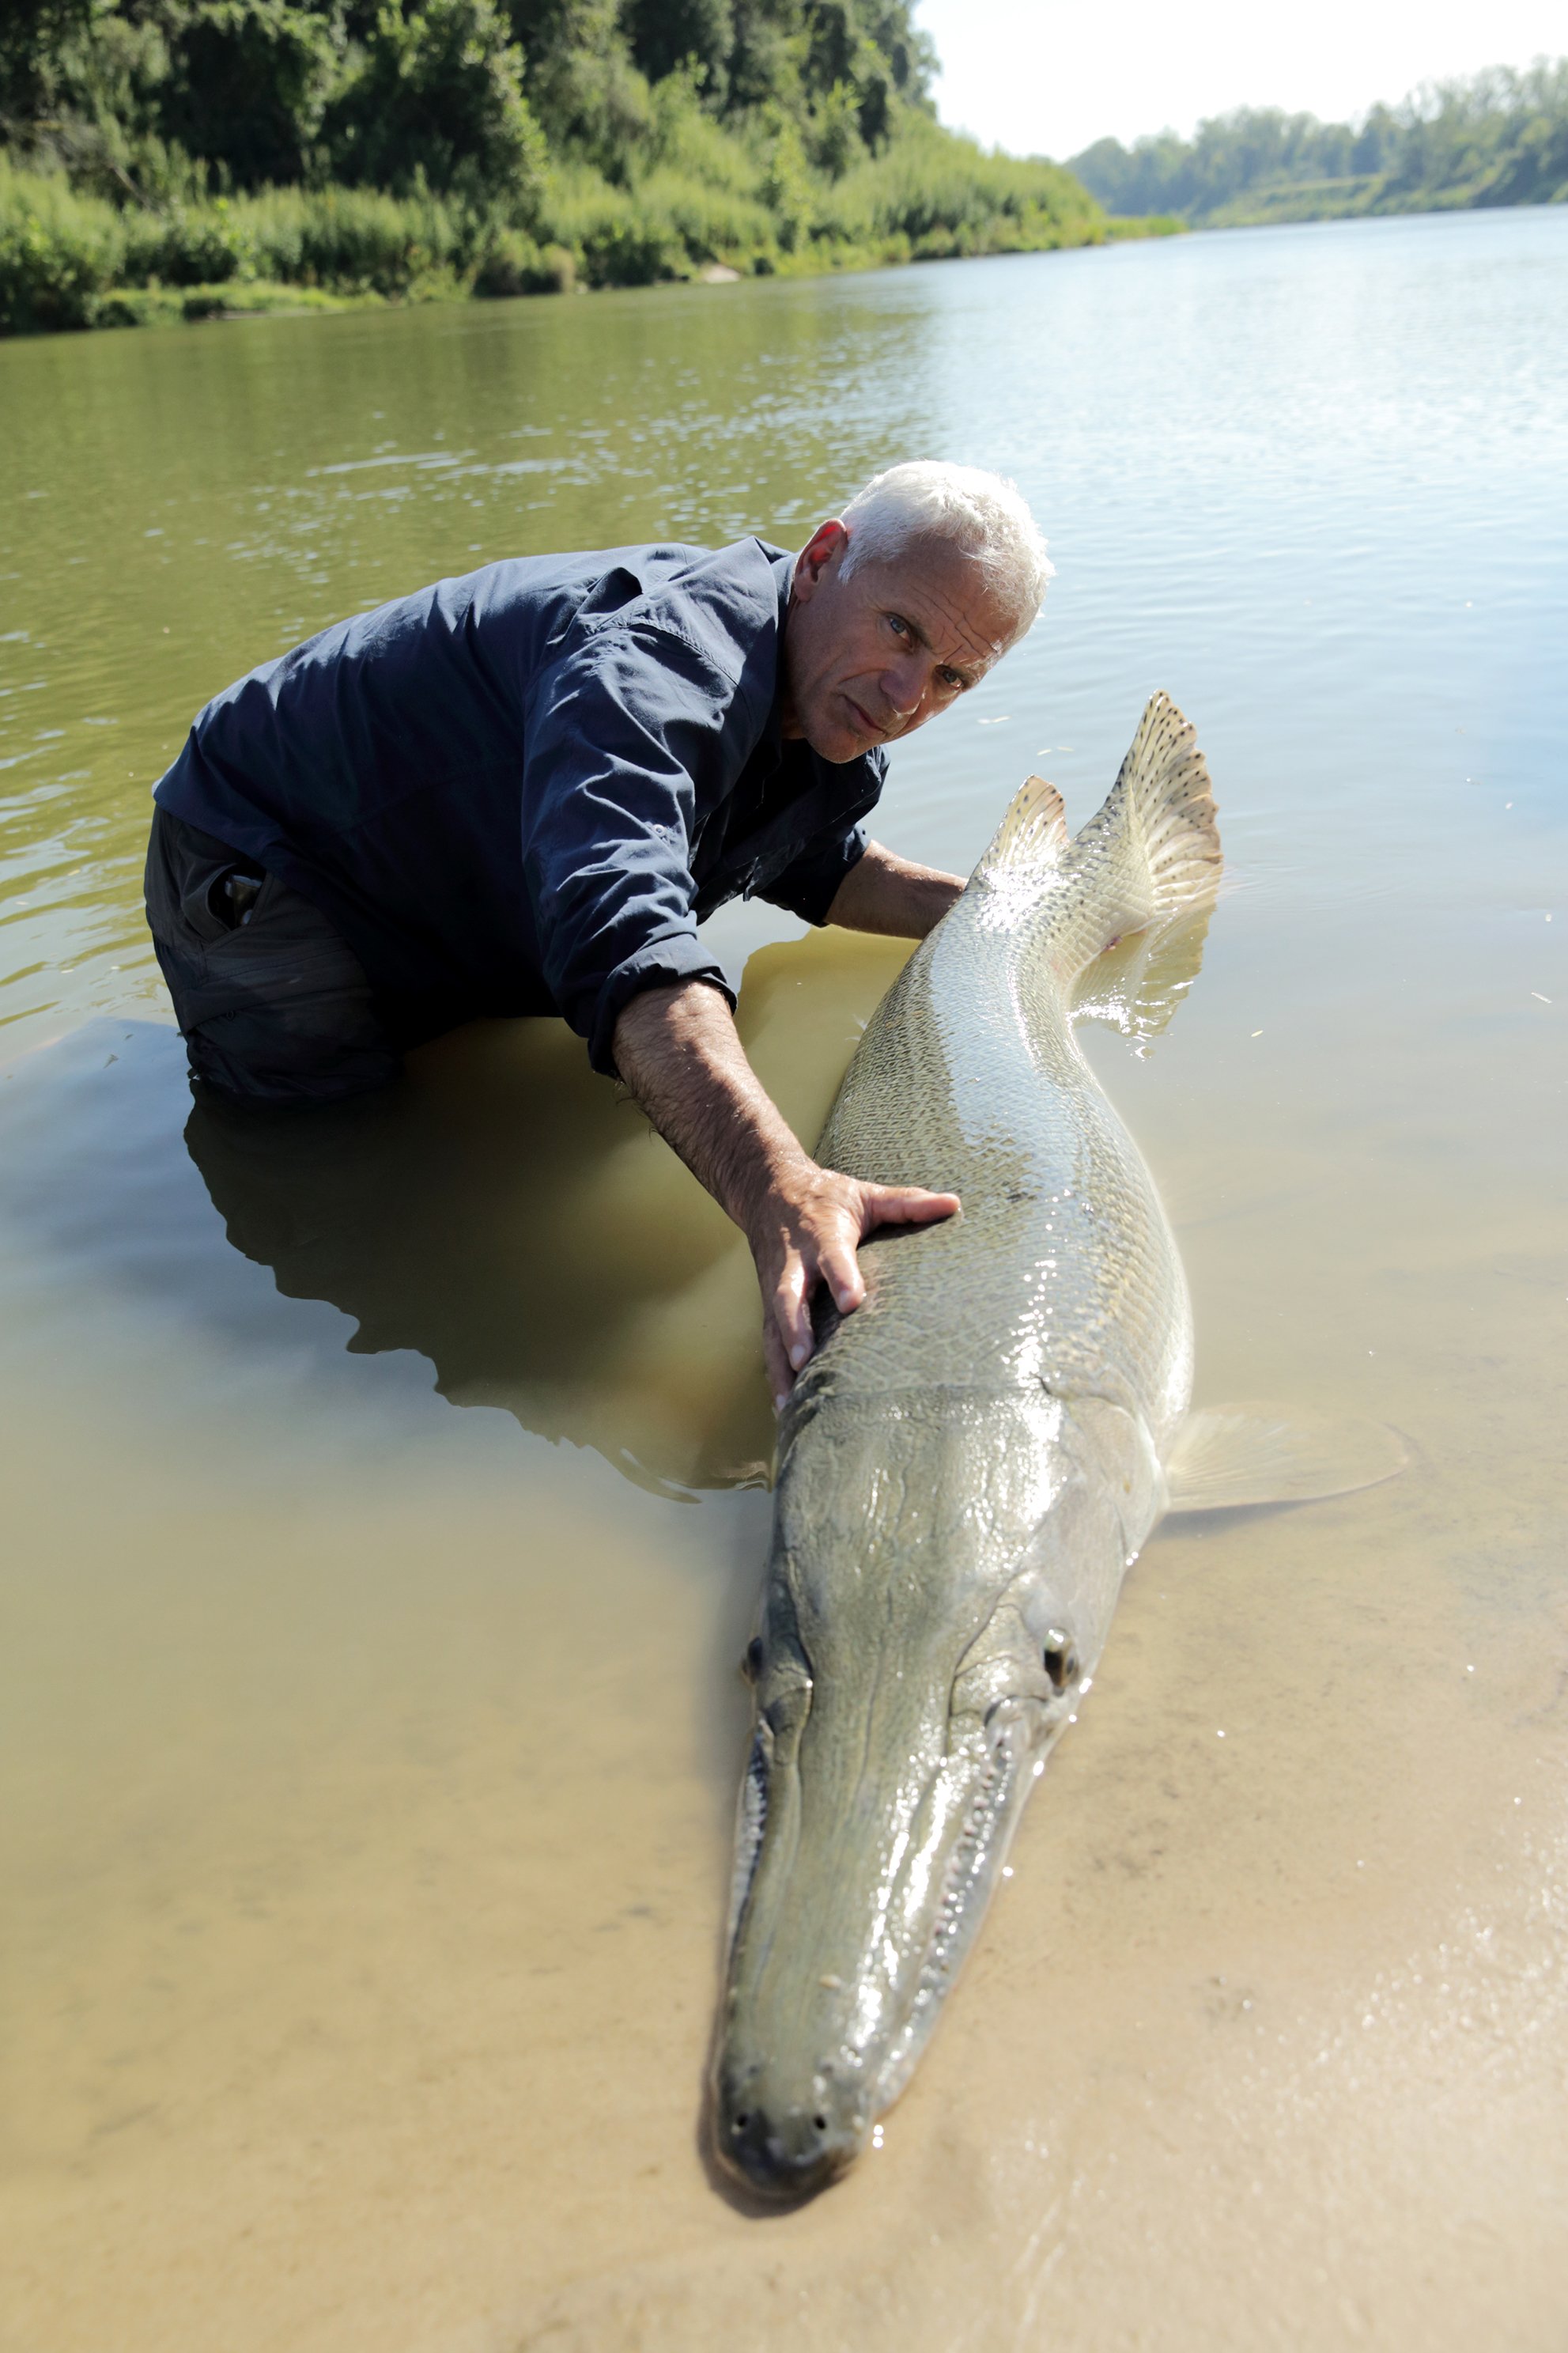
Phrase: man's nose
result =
(904, 686)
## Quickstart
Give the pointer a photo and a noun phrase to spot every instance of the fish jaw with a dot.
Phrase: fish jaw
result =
(854, 1929)
(913, 1668)
(830, 2005)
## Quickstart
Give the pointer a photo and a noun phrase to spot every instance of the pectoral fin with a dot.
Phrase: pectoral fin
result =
(1226, 1456)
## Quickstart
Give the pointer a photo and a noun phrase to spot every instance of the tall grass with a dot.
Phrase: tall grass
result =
(936, 196)
(65, 257)
(60, 252)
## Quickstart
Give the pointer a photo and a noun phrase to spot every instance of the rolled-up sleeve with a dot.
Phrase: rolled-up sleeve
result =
(627, 735)
(809, 883)
(808, 886)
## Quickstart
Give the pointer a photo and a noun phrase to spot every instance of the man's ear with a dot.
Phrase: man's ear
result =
(825, 542)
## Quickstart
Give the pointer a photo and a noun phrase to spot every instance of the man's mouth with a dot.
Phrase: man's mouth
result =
(864, 721)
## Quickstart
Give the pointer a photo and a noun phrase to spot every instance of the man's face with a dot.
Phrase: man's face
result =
(872, 657)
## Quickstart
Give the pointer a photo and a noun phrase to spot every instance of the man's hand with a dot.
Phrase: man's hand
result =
(676, 1049)
(805, 1232)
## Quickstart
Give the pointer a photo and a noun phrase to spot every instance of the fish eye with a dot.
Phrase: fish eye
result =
(1060, 1653)
(785, 1714)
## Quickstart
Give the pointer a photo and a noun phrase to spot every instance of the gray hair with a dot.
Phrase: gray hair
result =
(978, 512)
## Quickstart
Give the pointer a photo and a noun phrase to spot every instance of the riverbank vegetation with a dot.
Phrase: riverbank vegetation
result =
(1499, 138)
(182, 157)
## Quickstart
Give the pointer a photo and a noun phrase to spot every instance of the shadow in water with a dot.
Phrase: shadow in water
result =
(507, 1215)
(503, 1212)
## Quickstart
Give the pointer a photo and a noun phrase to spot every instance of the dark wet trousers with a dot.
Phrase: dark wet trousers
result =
(273, 1006)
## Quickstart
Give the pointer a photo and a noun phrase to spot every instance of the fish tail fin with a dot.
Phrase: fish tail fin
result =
(1153, 851)
(1032, 837)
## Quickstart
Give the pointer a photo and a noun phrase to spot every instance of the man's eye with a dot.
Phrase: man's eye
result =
(897, 622)
(953, 680)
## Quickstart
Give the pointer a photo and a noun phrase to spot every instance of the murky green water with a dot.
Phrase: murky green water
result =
(381, 1510)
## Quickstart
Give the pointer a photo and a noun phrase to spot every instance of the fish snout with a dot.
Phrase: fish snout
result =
(789, 2148)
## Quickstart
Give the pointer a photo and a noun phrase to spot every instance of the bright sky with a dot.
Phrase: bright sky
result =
(1047, 76)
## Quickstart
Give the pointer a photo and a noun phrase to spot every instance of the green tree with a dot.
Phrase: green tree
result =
(437, 101)
(1376, 142)
(188, 148)
(1499, 137)
(247, 84)
(835, 142)
(664, 33)
(766, 53)
(35, 38)
(588, 95)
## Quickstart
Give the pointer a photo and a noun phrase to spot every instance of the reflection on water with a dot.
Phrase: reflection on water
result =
(368, 1765)
(465, 1217)
(502, 1213)
(1137, 985)
(508, 1216)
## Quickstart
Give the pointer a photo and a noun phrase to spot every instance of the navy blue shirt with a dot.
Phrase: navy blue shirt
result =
(521, 791)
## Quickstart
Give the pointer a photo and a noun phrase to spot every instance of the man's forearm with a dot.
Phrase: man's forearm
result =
(884, 893)
(678, 1049)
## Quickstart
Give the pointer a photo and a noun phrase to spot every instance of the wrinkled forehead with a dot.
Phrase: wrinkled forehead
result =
(952, 594)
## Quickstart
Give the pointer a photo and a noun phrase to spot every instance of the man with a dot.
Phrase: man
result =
(521, 791)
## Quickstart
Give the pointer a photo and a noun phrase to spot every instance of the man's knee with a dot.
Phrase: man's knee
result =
(319, 1051)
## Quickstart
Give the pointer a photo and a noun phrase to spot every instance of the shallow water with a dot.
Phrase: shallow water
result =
(382, 1516)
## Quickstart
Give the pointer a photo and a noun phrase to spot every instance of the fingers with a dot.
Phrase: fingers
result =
(787, 1335)
(840, 1270)
(817, 1242)
(878, 1205)
(791, 1315)
(906, 1205)
(775, 1364)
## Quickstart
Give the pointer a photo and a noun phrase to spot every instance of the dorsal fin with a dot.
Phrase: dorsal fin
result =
(1030, 838)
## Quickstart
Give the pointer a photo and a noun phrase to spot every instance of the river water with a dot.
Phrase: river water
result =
(383, 1498)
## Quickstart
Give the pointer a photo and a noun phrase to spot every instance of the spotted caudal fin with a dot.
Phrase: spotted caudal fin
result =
(1151, 855)
(1030, 841)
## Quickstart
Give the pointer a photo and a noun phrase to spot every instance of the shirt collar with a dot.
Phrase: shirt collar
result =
(772, 741)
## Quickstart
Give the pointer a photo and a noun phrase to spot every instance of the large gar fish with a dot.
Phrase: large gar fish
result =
(967, 1469)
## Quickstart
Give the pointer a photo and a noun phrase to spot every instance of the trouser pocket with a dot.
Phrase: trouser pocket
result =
(273, 1004)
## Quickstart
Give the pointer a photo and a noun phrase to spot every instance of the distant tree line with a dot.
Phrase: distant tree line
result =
(370, 149)
(1497, 138)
